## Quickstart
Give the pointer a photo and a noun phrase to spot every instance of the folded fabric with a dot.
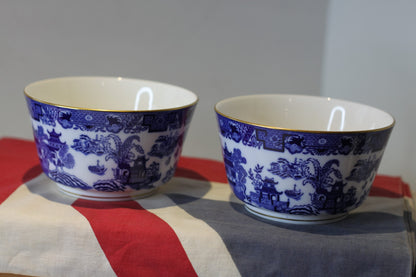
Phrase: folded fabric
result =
(193, 226)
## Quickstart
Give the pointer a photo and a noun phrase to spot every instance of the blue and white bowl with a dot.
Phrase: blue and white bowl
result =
(301, 159)
(105, 138)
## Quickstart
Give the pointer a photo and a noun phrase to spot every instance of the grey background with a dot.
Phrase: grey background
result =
(359, 50)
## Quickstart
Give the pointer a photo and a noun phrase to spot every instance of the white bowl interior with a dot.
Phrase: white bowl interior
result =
(306, 113)
(110, 93)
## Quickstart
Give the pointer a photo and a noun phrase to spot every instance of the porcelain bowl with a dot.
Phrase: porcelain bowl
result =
(108, 138)
(301, 159)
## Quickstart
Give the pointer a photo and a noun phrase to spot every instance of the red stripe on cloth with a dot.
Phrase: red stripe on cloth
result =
(135, 241)
(201, 169)
(18, 163)
(388, 186)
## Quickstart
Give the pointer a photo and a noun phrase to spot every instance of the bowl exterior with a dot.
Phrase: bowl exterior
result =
(106, 155)
(296, 175)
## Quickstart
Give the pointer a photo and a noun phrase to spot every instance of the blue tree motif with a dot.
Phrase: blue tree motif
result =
(111, 146)
(327, 181)
(122, 152)
(164, 146)
(129, 156)
(310, 170)
(65, 159)
(363, 169)
(329, 187)
(321, 177)
(256, 178)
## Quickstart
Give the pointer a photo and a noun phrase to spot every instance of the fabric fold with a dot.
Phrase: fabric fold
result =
(193, 226)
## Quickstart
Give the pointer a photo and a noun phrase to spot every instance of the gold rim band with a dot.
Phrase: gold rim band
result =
(109, 110)
(302, 130)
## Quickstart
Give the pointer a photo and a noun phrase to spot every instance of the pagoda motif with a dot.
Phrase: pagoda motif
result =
(138, 172)
(138, 175)
(268, 197)
(54, 142)
(236, 174)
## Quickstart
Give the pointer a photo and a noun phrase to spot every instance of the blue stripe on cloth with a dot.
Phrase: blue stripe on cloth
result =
(369, 243)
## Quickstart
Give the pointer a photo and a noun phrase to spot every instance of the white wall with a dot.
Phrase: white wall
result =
(217, 49)
(220, 49)
(370, 57)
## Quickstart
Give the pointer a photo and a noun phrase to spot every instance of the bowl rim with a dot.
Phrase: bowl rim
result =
(108, 110)
(304, 130)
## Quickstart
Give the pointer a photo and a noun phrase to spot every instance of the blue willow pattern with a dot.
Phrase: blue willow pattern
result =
(326, 181)
(328, 189)
(101, 138)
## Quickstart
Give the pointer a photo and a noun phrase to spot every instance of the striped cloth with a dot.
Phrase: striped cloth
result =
(193, 226)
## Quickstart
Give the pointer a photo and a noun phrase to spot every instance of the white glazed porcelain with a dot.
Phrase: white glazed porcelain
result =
(308, 113)
(110, 94)
(301, 159)
(108, 138)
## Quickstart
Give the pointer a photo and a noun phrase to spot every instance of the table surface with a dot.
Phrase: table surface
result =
(193, 226)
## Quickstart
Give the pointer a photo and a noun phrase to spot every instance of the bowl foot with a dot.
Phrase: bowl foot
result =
(294, 219)
(103, 196)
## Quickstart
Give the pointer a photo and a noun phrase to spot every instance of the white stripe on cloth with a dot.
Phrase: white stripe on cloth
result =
(199, 189)
(203, 245)
(54, 239)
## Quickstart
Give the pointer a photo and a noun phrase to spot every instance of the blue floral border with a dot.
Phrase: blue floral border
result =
(303, 142)
(112, 122)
